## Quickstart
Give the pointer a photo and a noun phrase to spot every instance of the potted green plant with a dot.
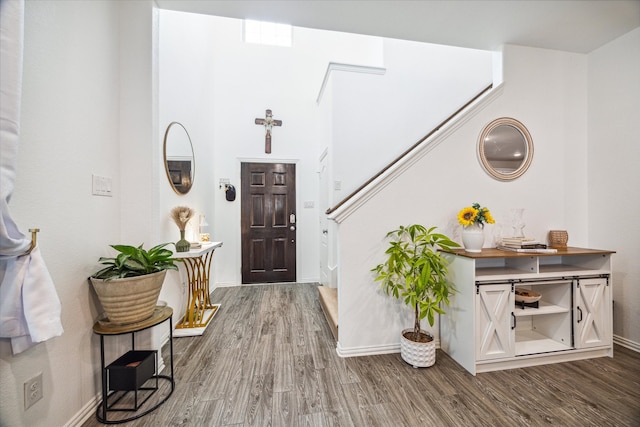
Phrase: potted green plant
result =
(416, 273)
(129, 287)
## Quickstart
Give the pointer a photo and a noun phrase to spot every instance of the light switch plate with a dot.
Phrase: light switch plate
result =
(101, 185)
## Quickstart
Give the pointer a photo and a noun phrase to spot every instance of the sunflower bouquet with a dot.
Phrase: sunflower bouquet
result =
(475, 215)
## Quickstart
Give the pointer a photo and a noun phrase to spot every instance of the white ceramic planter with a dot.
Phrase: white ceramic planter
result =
(418, 354)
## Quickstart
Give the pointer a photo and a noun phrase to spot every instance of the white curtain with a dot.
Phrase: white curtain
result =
(29, 305)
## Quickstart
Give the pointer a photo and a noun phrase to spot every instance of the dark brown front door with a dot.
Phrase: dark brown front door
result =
(268, 222)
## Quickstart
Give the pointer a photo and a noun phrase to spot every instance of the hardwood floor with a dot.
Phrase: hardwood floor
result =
(268, 358)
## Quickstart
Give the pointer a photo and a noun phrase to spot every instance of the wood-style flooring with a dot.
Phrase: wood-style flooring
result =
(268, 359)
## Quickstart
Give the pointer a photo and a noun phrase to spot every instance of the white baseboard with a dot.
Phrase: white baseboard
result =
(224, 285)
(233, 285)
(370, 350)
(367, 351)
(305, 280)
(631, 345)
(87, 411)
(395, 348)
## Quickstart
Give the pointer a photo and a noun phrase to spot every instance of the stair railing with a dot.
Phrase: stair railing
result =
(409, 150)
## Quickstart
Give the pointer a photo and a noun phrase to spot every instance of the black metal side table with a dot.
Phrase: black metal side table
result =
(129, 372)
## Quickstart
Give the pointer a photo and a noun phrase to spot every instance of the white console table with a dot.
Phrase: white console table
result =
(484, 330)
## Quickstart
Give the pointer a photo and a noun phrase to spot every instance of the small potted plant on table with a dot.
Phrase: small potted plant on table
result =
(416, 273)
(129, 287)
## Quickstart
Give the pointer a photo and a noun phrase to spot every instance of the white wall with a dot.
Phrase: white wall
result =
(377, 117)
(88, 108)
(223, 84)
(70, 114)
(184, 97)
(217, 85)
(614, 172)
(545, 90)
(139, 152)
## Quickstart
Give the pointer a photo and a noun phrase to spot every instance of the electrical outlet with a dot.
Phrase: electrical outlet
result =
(32, 391)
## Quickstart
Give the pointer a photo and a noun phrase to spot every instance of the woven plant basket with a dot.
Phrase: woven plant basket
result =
(131, 299)
(558, 239)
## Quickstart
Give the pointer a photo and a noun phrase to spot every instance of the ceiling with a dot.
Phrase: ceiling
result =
(579, 26)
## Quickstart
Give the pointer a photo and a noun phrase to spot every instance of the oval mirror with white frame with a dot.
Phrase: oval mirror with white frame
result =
(179, 160)
(505, 149)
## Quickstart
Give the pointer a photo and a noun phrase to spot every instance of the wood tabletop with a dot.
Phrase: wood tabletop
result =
(160, 314)
(498, 253)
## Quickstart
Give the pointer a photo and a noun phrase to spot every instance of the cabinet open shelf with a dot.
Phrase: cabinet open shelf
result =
(544, 308)
(498, 272)
(566, 270)
(506, 266)
(532, 342)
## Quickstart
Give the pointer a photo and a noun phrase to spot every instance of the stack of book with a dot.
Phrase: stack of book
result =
(524, 244)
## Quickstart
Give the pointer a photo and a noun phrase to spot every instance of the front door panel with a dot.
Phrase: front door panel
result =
(268, 222)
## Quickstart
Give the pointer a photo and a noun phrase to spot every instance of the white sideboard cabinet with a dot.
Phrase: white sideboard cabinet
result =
(485, 329)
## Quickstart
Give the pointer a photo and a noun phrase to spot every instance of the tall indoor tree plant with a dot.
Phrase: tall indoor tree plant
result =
(416, 273)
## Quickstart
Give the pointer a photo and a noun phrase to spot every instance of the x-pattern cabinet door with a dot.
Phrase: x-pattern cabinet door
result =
(494, 308)
(593, 315)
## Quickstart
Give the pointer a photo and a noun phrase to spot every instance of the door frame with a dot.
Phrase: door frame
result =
(324, 228)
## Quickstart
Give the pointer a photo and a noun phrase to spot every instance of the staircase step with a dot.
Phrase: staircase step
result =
(329, 301)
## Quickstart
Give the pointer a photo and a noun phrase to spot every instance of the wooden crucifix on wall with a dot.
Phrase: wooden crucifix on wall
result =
(268, 123)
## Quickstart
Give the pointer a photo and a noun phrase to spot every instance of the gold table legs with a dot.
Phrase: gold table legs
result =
(199, 308)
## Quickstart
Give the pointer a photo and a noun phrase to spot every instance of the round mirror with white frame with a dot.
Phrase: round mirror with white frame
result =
(179, 160)
(505, 149)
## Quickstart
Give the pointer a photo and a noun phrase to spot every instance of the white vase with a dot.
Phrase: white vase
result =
(473, 238)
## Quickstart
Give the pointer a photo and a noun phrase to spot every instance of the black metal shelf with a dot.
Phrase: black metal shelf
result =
(128, 373)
